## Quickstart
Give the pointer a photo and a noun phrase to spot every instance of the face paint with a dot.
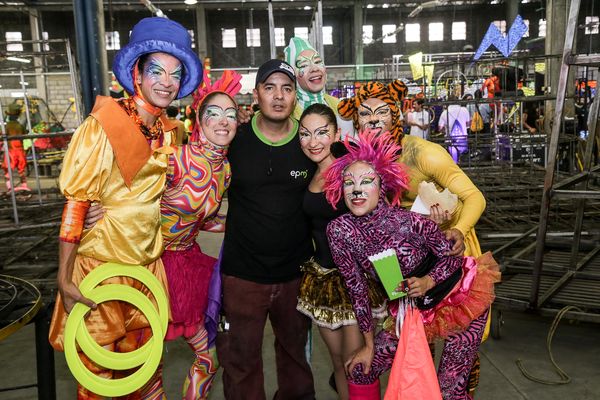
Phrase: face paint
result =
(375, 114)
(361, 188)
(316, 134)
(219, 120)
(155, 70)
(321, 132)
(213, 114)
(310, 71)
(161, 79)
(304, 63)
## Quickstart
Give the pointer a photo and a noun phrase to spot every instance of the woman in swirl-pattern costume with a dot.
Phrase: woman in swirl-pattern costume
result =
(197, 178)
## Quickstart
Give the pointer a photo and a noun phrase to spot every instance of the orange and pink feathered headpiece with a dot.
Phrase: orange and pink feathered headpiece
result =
(228, 83)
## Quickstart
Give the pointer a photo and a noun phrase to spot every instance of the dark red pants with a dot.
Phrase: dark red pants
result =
(246, 306)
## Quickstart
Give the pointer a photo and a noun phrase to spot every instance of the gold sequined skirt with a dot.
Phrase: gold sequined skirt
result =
(324, 299)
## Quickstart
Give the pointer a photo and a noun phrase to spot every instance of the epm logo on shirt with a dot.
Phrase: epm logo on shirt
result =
(301, 174)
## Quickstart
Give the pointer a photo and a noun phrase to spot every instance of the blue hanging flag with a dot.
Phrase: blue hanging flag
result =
(504, 44)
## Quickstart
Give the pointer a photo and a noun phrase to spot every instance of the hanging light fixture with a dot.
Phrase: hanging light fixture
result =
(190, 2)
(18, 59)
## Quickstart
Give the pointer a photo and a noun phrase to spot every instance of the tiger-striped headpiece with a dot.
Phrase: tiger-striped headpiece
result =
(392, 94)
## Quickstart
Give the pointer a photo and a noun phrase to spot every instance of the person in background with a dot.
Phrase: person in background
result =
(323, 296)
(190, 120)
(454, 122)
(16, 152)
(470, 106)
(180, 134)
(418, 120)
(530, 117)
(484, 109)
(483, 140)
(311, 76)
(266, 240)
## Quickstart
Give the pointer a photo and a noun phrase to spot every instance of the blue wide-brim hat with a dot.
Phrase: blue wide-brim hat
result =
(152, 35)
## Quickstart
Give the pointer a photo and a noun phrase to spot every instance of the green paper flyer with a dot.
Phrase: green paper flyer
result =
(388, 268)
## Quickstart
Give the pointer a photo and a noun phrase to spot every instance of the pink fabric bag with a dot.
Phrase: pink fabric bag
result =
(413, 375)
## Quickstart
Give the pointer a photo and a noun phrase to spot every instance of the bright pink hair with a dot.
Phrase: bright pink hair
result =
(379, 151)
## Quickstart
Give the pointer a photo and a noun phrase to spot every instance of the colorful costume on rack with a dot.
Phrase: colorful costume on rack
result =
(323, 296)
(16, 152)
(455, 309)
(117, 161)
(305, 98)
(199, 174)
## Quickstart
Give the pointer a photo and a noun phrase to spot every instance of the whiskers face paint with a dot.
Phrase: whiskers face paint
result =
(361, 188)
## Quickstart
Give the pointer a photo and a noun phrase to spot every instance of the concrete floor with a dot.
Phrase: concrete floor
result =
(576, 348)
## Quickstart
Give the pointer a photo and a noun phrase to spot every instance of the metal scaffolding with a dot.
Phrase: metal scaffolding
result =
(560, 265)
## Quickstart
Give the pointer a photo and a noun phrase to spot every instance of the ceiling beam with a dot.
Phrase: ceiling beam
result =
(133, 5)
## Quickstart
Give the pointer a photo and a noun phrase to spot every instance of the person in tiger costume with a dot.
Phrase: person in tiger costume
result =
(375, 106)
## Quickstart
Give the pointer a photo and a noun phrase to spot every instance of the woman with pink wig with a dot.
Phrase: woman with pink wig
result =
(453, 293)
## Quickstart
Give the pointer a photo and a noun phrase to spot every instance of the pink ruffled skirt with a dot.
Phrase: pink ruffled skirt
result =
(469, 298)
(188, 276)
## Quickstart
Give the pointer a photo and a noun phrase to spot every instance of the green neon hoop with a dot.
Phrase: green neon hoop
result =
(97, 353)
(148, 356)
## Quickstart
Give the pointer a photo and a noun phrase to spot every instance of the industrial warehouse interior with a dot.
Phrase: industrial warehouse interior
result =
(522, 72)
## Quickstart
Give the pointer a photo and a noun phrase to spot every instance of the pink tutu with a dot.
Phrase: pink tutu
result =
(188, 275)
(469, 298)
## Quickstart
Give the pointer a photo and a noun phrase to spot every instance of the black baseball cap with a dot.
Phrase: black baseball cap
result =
(272, 66)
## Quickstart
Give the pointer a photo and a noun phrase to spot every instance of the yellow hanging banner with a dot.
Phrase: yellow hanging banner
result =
(416, 65)
(540, 67)
(417, 68)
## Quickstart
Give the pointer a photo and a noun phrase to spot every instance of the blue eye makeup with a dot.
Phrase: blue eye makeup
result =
(177, 73)
(155, 68)
(217, 112)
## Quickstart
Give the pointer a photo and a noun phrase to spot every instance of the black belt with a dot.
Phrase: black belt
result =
(439, 291)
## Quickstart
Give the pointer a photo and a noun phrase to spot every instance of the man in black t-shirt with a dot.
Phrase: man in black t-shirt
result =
(266, 239)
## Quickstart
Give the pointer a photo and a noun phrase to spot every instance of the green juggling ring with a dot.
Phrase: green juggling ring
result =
(148, 356)
(97, 353)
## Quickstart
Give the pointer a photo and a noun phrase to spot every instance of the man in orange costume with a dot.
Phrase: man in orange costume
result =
(16, 153)
(118, 157)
